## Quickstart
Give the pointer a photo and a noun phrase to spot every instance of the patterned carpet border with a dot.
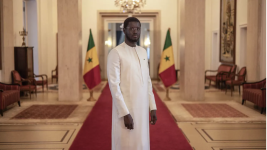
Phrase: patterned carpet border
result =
(46, 112)
(212, 111)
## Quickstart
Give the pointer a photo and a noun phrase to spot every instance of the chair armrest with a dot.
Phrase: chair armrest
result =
(11, 86)
(263, 88)
(41, 76)
(44, 75)
(24, 80)
(252, 84)
(210, 71)
(53, 71)
(38, 76)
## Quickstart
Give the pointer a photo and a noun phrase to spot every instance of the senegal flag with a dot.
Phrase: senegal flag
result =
(167, 72)
(91, 71)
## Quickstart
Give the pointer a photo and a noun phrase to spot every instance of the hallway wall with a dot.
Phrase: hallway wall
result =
(213, 25)
(168, 20)
(47, 28)
(47, 31)
(18, 21)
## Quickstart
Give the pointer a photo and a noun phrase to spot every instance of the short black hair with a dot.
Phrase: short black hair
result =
(130, 19)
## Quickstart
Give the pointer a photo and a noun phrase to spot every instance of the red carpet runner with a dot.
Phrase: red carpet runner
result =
(95, 133)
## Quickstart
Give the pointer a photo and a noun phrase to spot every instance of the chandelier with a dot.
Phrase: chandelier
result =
(130, 6)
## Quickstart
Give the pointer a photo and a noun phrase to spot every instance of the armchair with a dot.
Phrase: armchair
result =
(241, 78)
(227, 75)
(54, 75)
(255, 92)
(223, 68)
(9, 94)
(30, 87)
(42, 82)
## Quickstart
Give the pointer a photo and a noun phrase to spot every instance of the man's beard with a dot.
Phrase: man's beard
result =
(131, 40)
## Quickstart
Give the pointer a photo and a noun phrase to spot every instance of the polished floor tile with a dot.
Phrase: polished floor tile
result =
(202, 133)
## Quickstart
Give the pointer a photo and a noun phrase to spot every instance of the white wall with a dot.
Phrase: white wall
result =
(18, 21)
(32, 28)
(168, 19)
(262, 53)
(45, 43)
(213, 25)
(47, 30)
(241, 21)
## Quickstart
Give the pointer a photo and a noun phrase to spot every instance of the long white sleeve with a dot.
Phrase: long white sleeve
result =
(152, 103)
(113, 72)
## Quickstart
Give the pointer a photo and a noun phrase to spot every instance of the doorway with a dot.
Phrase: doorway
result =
(113, 36)
(105, 43)
(215, 51)
(243, 46)
(30, 23)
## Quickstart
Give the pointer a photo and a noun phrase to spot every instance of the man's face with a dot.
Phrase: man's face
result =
(132, 31)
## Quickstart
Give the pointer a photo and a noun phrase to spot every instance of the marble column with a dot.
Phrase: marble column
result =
(7, 44)
(69, 50)
(254, 39)
(192, 49)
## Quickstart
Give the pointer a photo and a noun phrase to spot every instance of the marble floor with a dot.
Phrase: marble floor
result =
(202, 134)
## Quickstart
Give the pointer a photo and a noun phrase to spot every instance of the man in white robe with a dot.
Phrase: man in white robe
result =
(131, 89)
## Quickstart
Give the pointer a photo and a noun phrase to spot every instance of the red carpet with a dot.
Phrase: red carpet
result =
(95, 133)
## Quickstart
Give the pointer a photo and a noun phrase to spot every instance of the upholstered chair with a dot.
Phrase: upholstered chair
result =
(43, 81)
(29, 87)
(255, 92)
(54, 75)
(223, 68)
(241, 78)
(9, 94)
(224, 76)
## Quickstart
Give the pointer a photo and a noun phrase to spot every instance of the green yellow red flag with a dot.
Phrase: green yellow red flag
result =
(91, 71)
(167, 71)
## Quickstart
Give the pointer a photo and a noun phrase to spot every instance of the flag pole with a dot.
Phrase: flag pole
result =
(91, 98)
(167, 98)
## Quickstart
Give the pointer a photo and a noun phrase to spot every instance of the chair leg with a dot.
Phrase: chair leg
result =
(262, 109)
(36, 91)
(232, 90)
(19, 103)
(225, 89)
(43, 87)
(243, 100)
(1, 112)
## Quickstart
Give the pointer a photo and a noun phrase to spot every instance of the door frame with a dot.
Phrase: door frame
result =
(152, 17)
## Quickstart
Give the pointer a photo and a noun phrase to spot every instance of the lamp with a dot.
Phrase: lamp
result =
(147, 42)
(108, 42)
(130, 6)
(23, 33)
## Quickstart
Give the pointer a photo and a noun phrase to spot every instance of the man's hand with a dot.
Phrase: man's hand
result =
(128, 122)
(153, 117)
